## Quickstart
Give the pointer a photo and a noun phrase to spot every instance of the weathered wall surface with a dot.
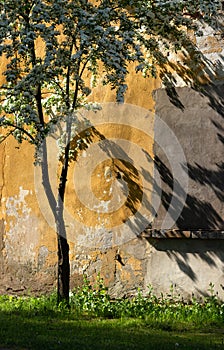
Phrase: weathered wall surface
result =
(179, 168)
(197, 210)
(198, 127)
(28, 242)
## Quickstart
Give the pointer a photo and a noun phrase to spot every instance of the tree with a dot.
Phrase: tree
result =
(81, 36)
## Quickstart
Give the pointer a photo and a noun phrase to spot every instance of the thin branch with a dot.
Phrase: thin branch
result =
(6, 136)
(59, 86)
(77, 81)
(21, 129)
(68, 78)
(83, 68)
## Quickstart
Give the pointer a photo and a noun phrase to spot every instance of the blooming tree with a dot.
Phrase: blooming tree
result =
(80, 36)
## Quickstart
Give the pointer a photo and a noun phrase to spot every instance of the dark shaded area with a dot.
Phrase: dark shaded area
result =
(26, 330)
(174, 97)
(196, 214)
(212, 178)
(215, 94)
(200, 133)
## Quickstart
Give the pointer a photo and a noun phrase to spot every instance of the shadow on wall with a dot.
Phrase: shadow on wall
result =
(205, 175)
(208, 251)
(197, 214)
(116, 167)
(204, 206)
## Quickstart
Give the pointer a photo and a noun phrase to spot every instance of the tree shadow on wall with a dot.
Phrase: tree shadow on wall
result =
(181, 250)
(122, 169)
(199, 214)
(196, 214)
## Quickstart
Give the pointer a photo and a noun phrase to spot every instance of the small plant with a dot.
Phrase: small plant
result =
(92, 299)
(170, 310)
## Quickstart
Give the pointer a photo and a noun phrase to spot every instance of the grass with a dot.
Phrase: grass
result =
(55, 333)
(97, 322)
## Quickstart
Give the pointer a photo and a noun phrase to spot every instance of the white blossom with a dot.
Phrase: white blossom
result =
(42, 91)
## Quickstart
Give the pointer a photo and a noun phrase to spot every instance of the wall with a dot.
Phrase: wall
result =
(167, 226)
(28, 242)
(190, 255)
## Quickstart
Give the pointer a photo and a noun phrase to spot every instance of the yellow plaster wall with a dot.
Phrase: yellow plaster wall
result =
(29, 249)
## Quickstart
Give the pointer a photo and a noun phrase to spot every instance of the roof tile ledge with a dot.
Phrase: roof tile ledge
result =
(194, 234)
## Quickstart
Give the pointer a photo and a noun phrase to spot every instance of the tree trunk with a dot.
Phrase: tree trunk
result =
(63, 257)
(63, 247)
(63, 270)
(57, 206)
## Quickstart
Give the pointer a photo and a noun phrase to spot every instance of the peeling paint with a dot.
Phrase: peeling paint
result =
(16, 206)
(94, 238)
(22, 230)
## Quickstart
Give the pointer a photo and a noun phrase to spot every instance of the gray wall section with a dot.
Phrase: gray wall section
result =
(189, 265)
(194, 123)
(197, 121)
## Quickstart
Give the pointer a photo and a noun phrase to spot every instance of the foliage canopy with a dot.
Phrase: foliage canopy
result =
(50, 45)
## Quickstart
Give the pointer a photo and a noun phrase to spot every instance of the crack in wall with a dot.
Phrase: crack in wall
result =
(3, 180)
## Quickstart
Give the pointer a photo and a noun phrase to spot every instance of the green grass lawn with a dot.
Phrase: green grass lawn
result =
(94, 321)
(19, 331)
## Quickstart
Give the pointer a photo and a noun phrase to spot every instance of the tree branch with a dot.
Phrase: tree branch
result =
(6, 136)
(21, 129)
(68, 79)
(79, 74)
